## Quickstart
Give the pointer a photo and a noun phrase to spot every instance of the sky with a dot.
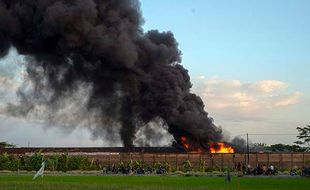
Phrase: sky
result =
(248, 60)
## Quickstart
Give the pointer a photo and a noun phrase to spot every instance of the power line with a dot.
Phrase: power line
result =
(267, 134)
(273, 134)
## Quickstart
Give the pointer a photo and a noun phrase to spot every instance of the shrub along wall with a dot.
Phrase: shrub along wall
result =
(59, 162)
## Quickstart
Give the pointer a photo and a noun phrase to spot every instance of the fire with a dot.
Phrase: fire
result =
(188, 147)
(184, 142)
(220, 147)
(215, 147)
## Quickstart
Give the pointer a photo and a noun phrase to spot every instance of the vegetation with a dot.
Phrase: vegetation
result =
(148, 182)
(6, 145)
(304, 136)
(66, 162)
(62, 162)
(285, 148)
(257, 147)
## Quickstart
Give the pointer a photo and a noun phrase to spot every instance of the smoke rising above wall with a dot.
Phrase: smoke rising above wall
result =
(131, 77)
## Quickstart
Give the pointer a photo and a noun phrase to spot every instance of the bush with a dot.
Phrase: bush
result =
(202, 165)
(35, 161)
(63, 162)
(5, 162)
(187, 166)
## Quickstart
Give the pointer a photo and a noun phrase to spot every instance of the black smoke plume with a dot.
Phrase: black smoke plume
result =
(239, 144)
(135, 76)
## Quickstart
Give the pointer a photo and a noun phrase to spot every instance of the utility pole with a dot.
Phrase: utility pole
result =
(247, 148)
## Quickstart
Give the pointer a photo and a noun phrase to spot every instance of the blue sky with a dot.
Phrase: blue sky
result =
(249, 61)
(249, 40)
(246, 41)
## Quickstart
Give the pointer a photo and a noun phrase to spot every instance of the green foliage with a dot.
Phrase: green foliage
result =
(136, 164)
(303, 136)
(285, 148)
(5, 162)
(257, 147)
(156, 165)
(62, 162)
(9, 162)
(187, 166)
(167, 167)
(35, 161)
(52, 162)
(202, 165)
(6, 145)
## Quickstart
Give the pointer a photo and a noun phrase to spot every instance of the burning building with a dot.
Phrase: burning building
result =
(221, 147)
(133, 77)
(213, 147)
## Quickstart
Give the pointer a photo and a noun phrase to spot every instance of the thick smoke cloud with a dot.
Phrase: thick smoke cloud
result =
(239, 144)
(135, 77)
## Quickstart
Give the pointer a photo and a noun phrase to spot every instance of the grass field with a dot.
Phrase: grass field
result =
(148, 182)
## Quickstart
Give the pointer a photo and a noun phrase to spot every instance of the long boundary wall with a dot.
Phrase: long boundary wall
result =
(110, 156)
(218, 161)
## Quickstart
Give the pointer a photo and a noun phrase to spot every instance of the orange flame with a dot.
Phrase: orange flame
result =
(220, 147)
(215, 147)
(188, 147)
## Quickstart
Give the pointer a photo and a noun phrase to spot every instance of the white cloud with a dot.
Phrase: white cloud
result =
(269, 86)
(289, 100)
(239, 99)
(267, 106)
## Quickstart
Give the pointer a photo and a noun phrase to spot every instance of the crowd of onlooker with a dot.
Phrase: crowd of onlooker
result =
(127, 170)
(304, 171)
(258, 170)
(269, 170)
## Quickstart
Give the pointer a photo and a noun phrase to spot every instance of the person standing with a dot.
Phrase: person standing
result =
(271, 169)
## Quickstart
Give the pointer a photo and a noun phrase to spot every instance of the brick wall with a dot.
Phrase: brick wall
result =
(220, 161)
(109, 156)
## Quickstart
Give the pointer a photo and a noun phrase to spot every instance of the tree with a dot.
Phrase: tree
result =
(304, 136)
(262, 147)
(6, 145)
(285, 148)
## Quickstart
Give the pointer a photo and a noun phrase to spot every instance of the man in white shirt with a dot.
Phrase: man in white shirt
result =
(271, 169)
